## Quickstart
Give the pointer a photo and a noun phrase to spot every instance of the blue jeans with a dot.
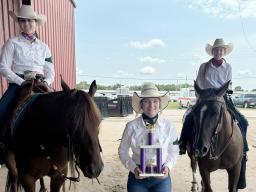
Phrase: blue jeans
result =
(7, 102)
(150, 184)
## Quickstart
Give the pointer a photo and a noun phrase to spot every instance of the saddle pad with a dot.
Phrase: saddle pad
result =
(20, 111)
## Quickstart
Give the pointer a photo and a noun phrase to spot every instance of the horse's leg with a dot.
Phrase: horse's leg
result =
(42, 185)
(12, 180)
(205, 175)
(28, 182)
(58, 181)
(233, 177)
(194, 187)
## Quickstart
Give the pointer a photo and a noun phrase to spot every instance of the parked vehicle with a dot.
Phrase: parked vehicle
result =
(246, 100)
(187, 97)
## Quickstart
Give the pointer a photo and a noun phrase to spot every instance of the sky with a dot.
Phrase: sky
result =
(162, 41)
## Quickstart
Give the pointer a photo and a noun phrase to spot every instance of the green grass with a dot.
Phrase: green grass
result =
(173, 105)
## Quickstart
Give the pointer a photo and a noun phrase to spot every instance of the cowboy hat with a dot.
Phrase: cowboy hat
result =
(27, 12)
(219, 43)
(149, 90)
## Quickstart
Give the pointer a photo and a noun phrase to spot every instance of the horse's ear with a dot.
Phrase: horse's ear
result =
(197, 88)
(64, 85)
(222, 90)
(93, 88)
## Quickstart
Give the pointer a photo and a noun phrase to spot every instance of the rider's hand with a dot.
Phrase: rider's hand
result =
(26, 83)
(137, 171)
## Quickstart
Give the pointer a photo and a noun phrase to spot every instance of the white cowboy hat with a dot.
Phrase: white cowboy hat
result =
(149, 90)
(27, 12)
(219, 43)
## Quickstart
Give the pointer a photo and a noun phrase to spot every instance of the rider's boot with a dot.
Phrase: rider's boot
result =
(242, 179)
(182, 147)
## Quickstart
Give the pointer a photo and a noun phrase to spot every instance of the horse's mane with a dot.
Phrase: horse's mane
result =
(87, 114)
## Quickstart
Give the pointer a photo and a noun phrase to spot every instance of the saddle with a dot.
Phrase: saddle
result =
(29, 91)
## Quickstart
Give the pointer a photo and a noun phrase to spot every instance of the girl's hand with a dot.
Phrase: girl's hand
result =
(165, 171)
(137, 171)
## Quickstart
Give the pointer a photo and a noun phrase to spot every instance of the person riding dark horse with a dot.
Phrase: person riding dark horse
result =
(214, 74)
(19, 55)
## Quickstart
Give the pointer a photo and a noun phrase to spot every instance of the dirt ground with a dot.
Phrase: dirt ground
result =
(114, 176)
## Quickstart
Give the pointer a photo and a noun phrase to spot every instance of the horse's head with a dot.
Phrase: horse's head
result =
(207, 114)
(83, 119)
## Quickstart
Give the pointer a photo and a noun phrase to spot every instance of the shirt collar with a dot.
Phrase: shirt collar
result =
(223, 65)
(158, 122)
(21, 38)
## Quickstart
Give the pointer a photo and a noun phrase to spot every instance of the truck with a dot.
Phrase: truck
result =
(187, 97)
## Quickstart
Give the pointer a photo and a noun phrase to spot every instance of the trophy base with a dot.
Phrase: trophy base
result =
(151, 174)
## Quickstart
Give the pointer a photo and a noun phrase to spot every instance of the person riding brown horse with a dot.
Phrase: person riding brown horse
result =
(214, 74)
(58, 128)
(25, 52)
(216, 141)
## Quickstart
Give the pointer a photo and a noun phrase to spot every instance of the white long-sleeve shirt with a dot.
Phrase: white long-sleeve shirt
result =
(19, 55)
(135, 135)
(210, 76)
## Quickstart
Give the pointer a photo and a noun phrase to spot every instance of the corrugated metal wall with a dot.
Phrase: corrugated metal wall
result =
(58, 32)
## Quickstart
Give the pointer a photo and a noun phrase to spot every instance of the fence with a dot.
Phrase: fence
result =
(119, 107)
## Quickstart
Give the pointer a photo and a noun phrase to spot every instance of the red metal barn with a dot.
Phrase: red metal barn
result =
(58, 32)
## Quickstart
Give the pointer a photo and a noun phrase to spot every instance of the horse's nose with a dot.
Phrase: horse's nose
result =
(93, 170)
(204, 151)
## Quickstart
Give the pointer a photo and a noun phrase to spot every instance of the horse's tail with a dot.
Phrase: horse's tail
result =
(12, 184)
(8, 183)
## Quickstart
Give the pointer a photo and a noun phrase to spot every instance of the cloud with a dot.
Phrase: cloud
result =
(245, 73)
(181, 75)
(79, 71)
(147, 70)
(121, 73)
(151, 60)
(226, 9)
(153, 43)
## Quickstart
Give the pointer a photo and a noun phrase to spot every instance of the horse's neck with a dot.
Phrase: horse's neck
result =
(226, 125)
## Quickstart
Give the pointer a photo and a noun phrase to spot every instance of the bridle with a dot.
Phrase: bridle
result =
(215, 137)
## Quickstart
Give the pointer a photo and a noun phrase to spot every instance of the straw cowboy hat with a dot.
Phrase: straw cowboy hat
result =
(27, 12)
(149, 90)
(219, 43)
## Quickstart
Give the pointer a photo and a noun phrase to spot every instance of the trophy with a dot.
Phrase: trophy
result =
(151, 156)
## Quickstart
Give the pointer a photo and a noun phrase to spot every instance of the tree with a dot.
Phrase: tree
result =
(82, 85)
(238, 88)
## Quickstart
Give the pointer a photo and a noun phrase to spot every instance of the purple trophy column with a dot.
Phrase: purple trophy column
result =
(150, 138)
(159, 159)
(143, 160)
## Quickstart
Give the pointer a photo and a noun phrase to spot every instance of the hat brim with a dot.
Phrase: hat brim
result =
(136, 99)
(40, 19)
(229, 47)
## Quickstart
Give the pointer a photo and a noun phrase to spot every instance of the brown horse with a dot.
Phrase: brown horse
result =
(217, 141)
(58, 128)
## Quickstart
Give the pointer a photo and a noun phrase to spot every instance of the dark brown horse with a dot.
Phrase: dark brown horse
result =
(217, 141)
(59, 128)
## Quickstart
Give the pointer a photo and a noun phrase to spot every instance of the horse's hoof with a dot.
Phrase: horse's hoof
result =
(43, 190)
(195, 187)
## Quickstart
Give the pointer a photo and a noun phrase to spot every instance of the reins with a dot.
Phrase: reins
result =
(55, 167)
(214, 140)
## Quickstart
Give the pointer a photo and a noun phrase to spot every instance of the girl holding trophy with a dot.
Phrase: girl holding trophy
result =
(153, 142)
